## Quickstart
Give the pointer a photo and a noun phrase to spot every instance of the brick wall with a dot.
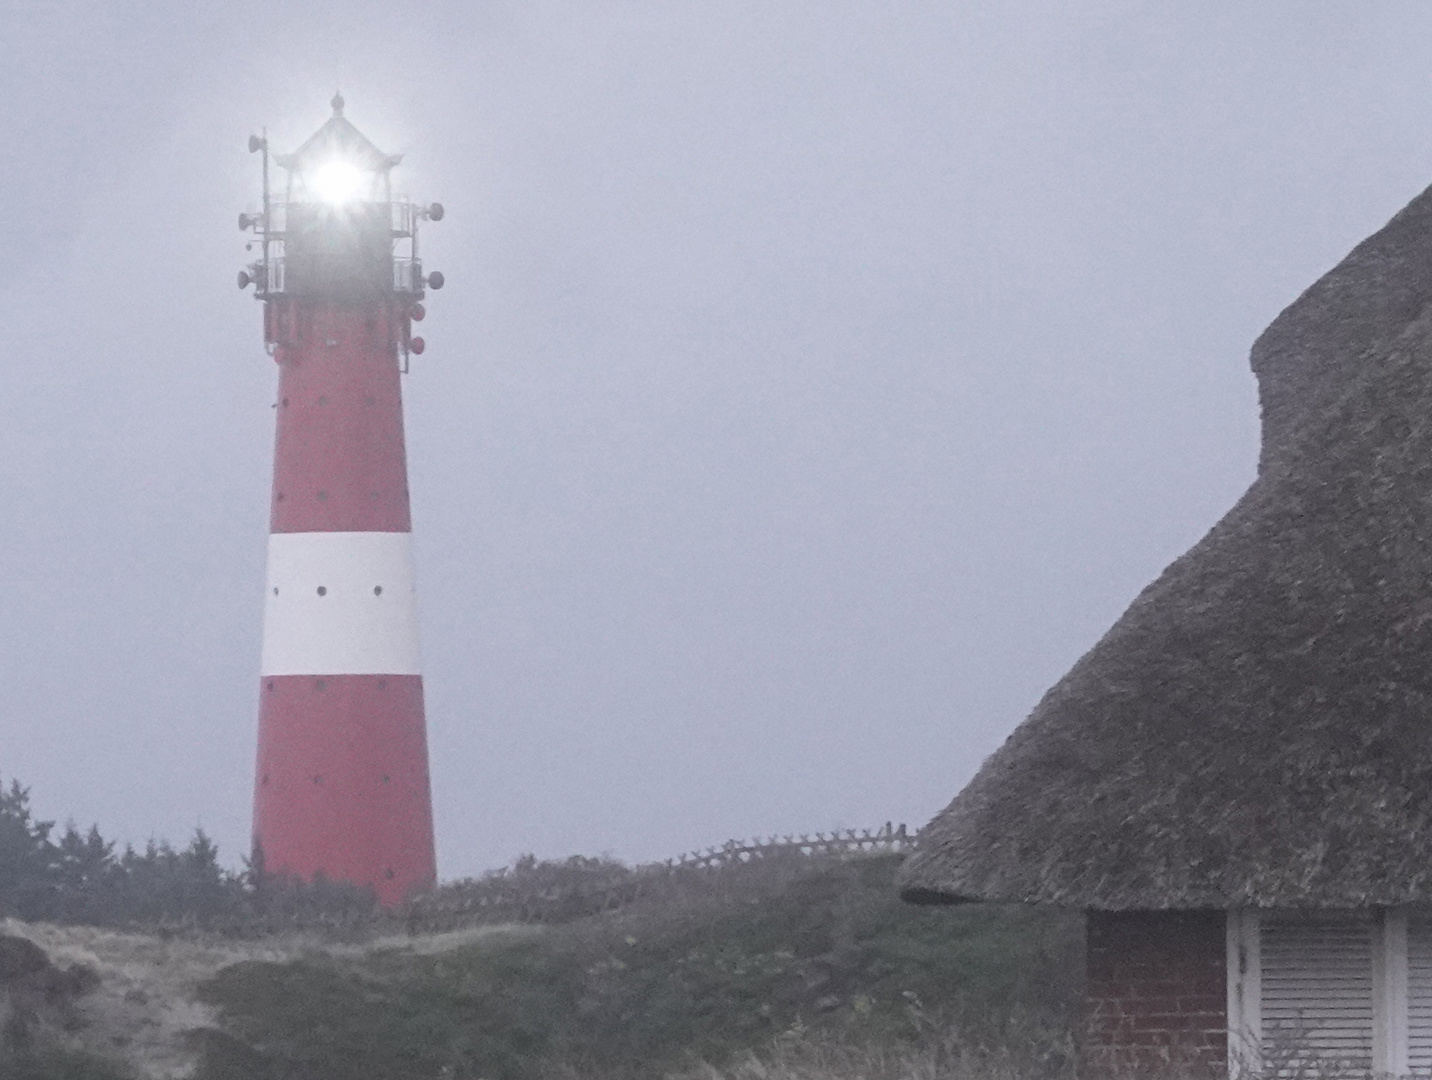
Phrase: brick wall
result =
(1157, 994)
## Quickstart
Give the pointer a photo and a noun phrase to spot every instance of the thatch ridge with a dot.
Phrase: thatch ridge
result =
(1256, 729)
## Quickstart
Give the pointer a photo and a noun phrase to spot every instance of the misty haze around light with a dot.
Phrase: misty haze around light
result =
(812, 385)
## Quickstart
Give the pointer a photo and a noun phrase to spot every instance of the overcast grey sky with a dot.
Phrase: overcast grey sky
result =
(814, 382)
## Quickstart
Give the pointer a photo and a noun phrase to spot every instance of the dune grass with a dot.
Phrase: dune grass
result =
(769, 968)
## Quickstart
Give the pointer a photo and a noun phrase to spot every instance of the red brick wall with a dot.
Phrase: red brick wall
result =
(1157, 994)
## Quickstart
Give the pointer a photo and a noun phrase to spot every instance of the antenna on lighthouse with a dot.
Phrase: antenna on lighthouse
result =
(341, 786)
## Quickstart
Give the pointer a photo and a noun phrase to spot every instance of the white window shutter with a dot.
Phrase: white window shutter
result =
(1419, 995)
(1316, 988)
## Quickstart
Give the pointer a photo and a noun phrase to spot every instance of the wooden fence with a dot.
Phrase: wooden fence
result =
(562, 891)
(841, 844)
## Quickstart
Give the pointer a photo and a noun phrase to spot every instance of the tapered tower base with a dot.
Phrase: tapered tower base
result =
(346, 755)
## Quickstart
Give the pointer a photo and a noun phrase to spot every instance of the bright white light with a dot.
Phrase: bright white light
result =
(338, 182)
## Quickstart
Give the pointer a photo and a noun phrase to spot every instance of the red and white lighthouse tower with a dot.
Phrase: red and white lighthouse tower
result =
(341, 788)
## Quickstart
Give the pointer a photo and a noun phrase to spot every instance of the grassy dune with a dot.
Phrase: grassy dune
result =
(802, 970)
(792, 970)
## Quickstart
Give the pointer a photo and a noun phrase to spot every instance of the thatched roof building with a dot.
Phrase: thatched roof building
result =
(1257, 728)
(1255, 732)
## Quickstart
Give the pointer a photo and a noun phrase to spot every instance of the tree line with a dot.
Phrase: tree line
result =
(65, 875)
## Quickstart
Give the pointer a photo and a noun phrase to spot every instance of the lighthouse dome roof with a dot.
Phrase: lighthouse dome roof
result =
(338, 139)
(1256, 729)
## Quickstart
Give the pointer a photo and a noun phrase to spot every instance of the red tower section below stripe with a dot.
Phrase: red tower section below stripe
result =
(339, 461)
(342, 784)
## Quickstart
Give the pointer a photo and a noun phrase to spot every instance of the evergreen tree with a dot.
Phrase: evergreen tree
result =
(87, 877)
(28, 860)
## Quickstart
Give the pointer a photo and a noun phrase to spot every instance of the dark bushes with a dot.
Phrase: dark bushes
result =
(80, 878)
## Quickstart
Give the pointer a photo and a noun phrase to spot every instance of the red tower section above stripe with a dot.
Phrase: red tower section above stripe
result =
(339, 460)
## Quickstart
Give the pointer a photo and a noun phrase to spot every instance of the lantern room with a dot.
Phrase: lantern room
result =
(336, 233)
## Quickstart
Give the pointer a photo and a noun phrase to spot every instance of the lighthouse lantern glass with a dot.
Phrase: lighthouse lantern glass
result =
(339, 181)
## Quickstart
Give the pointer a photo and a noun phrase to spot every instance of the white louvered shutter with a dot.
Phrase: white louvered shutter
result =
(1317, 992)
(1419, 995)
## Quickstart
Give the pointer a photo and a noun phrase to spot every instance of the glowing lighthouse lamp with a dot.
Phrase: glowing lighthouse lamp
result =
(338, 182)
(341, 786)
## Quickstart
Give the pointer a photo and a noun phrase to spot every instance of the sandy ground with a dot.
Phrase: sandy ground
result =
(145, 1004)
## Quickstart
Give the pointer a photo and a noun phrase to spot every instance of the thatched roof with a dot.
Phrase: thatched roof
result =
(1256, 729)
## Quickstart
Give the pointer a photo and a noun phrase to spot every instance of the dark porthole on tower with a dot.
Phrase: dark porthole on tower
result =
(377, 590)
(323, 590)
(275, 590)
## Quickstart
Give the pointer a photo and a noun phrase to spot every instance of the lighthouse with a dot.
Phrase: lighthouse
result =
(341, 786)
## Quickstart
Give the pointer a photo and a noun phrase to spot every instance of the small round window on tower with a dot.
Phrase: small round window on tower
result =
(377, 590)
(323, 590)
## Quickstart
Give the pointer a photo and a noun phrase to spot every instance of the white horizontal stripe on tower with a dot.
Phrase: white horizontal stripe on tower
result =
(340, 603)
